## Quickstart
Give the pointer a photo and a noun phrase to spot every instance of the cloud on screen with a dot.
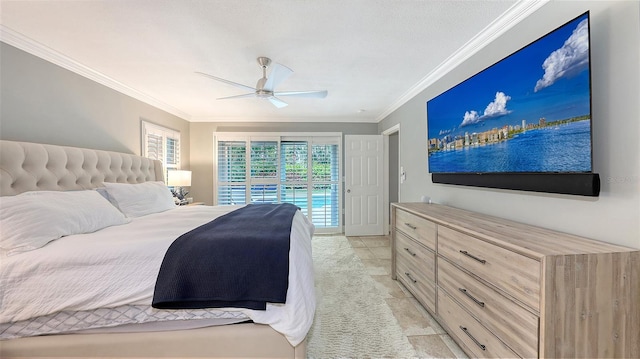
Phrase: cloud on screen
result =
(498, 107)
(570, 59)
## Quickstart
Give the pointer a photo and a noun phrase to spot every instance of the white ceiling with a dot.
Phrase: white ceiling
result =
(371, 55)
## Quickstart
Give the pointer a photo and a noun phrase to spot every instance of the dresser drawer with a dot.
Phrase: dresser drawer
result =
(515, 274)
(513, 324)
(416, 256)
(479, 341)
(422, 230)
(422, 288)
(415, 268)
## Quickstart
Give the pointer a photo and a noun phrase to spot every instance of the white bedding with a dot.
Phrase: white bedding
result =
(118, 266)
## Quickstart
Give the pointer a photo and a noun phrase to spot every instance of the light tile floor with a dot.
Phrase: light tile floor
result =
(424, 333)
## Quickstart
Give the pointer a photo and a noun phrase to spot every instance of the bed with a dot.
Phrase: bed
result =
(90, 293)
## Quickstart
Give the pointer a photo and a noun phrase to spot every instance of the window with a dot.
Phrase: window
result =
(302, 170)
(325, 184)
(163, 144)
(264, 171)
(294, 163)
(232, 172)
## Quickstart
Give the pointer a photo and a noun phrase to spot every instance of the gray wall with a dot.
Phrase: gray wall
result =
(615, 57)
(45, 103)
(202, 145)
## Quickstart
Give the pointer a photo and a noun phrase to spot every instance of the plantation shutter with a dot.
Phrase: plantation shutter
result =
(264, 171)
(325, 179)
(302, 170)
(154, 146)
(163, 144)
(264, 159)
(173, 152)
(232, 172)
(294, 162)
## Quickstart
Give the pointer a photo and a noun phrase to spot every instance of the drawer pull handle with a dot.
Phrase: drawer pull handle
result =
(472, 338)
(410, 277)
(410, 225)
(410, 252)
(471, 297)
(474, 257)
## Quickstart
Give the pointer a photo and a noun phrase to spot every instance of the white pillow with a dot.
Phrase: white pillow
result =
(135, 200)
(32, 219)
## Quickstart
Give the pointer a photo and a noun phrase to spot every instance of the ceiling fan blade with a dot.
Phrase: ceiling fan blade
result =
(314, 94)
(278, 74)
(237, 96)
(245, 87)
(277, 102)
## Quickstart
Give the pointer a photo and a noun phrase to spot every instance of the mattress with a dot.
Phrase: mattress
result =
(106, 279)
(126, 318)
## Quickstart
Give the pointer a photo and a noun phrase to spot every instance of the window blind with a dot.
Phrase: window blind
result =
(232, 172)
(232, 163)
(325, 178)
(294, 161)
(154, 146)
(163, 144)
(264, 159)
(302, 170)
(325, 163)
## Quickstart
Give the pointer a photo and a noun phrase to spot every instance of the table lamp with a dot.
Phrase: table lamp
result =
(178, 179)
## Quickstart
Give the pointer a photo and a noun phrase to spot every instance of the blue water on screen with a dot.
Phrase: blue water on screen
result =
(564, 148)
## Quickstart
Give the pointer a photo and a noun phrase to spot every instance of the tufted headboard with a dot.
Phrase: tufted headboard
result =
(26, 166)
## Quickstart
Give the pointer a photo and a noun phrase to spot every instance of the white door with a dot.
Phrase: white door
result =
(363, 185)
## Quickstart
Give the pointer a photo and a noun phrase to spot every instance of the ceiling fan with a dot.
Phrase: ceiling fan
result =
(265, 88)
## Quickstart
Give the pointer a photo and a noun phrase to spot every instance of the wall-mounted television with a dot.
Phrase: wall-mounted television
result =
(523, 123)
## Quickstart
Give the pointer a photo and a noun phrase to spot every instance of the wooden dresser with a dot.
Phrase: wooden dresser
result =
(504, 289)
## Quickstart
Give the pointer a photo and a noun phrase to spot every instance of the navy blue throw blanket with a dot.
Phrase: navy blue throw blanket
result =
(240, 259)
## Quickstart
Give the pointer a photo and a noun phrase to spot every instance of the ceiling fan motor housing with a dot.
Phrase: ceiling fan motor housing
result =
(264, 62)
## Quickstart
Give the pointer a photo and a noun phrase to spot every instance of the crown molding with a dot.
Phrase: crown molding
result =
(18, 40)
(495, 29)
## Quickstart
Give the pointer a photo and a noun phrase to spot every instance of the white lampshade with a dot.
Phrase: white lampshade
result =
(179, 178)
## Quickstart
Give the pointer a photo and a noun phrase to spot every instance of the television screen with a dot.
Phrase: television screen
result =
(528, 113)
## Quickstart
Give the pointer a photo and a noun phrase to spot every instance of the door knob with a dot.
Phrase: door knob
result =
(348, 191)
